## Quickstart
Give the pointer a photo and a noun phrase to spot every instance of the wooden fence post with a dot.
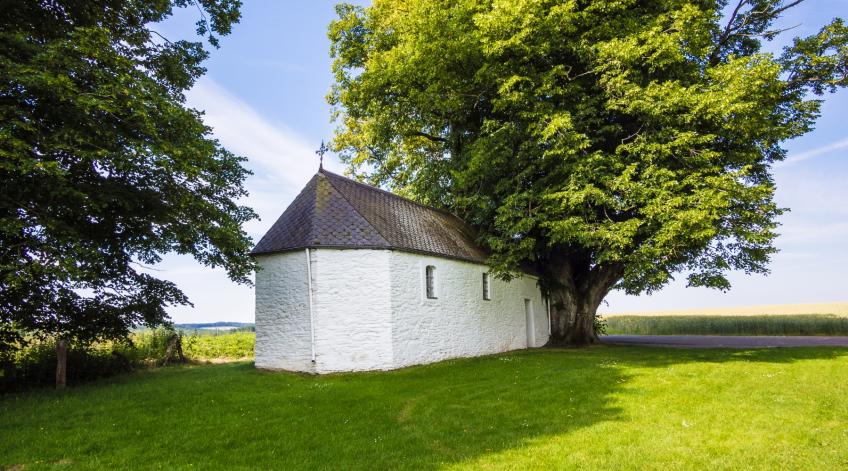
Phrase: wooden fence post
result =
(61, 363)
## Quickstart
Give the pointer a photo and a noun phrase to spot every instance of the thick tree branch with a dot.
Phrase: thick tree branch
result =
(430, 137)
(786, 7)
(601, 280)
(736, 26)
(725, 35)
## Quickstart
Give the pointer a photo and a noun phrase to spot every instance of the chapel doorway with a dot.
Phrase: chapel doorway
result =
(531, 328)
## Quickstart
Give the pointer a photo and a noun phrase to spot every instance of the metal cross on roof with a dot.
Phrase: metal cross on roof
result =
(321, 151)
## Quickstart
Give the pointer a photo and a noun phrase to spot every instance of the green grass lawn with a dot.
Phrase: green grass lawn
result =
(601, 408)
(798, 324)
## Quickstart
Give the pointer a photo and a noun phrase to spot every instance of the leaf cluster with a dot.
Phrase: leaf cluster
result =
(618, 140)
(104, 168)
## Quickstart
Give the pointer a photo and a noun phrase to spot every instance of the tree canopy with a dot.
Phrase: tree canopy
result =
(612, 143)
(104, 168)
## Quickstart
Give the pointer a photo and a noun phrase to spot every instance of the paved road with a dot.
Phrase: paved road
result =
(721, 341)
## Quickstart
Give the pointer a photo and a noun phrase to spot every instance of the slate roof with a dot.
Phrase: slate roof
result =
(337, 212)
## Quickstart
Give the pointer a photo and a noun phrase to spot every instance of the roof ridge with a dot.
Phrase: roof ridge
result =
(334, 211)
(352, 206)
(402, 198)
(311, 231)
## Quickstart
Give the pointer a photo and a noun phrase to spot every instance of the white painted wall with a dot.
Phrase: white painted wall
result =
(282, 313)
(459, 323)
(371, 311)
(352, 310)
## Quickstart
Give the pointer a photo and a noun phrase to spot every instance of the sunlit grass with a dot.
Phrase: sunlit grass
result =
(598, 408)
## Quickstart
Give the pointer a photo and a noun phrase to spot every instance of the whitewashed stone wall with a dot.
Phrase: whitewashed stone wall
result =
(352, 310)
(371, 311)
(459, 323)
(283, 339)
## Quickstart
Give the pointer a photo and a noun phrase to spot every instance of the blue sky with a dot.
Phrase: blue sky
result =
(264, 96)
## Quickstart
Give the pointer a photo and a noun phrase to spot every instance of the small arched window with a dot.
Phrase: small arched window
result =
(487, 290)
(430, 281)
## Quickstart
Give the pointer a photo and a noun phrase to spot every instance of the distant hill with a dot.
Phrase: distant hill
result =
(213, 325)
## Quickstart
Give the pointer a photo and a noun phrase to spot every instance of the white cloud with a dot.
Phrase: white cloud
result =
(282, 162)
(813, 233)
(272, 150)
(806, 155)
(812, 192)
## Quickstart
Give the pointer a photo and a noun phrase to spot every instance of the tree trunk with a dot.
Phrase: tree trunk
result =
(572, 319)
(575, 300)
(175, 347)
(61, 363)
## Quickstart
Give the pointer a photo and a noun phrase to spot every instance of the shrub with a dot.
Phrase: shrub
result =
(146, 347)
(35, 365)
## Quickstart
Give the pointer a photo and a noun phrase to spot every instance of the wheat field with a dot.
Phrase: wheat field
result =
(839, 308)
(778, 319)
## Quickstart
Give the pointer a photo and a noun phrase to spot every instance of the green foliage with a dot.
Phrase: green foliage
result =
(234, 345)
(104, 168)
(149, 346)
(597, 408)
(146, 347)
(601, 325)
(611, 143)
(34, 365)
(805, 324)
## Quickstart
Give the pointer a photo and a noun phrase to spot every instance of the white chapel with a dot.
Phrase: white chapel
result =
(353, 277)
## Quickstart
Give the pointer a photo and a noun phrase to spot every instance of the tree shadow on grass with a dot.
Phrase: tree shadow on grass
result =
(456, 411)
(650, 356)
(427, 417)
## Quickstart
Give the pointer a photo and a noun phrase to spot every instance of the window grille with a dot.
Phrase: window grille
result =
(430, 275)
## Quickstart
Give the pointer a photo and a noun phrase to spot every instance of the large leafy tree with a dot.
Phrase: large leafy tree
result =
(611, 143)
(104, 168)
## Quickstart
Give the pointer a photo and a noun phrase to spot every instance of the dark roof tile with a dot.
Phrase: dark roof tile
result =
(334, 211)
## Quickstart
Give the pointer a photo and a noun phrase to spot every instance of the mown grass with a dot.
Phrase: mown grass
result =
(806, 324)
(597, 408)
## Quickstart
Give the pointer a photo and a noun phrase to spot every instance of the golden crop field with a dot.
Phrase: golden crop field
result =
(839, 308)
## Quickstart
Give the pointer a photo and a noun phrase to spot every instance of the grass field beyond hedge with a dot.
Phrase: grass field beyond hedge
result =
(34, 365)
(225, 345)
(805, 324)
(597, 408)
